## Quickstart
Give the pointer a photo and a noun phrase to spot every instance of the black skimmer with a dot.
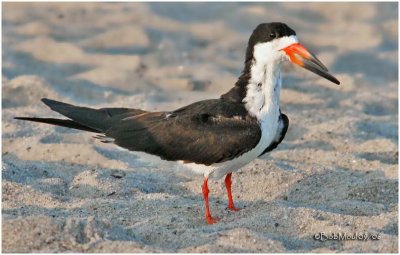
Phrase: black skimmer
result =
(212, 137)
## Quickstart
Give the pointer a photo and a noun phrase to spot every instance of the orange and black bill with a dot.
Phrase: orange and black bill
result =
(302, 57)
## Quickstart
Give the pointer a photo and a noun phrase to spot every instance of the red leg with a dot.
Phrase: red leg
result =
(209, 218)
(228, 184)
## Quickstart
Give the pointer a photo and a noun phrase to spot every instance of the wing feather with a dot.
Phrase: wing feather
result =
(207, 132)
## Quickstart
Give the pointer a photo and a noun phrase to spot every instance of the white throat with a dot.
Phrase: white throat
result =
(263, 91)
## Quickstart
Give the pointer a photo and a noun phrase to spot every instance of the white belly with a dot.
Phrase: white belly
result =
(218, 170)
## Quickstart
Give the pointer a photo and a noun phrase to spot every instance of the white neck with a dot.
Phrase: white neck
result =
(263, 90)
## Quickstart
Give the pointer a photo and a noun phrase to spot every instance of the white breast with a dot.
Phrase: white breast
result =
(266, 110)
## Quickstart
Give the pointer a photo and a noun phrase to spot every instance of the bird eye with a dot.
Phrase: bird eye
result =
(272, 35)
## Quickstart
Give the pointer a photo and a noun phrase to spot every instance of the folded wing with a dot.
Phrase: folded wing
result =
(203, 138)
(205, 132)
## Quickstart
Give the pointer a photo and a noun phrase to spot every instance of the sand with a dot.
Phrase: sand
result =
(335, 172)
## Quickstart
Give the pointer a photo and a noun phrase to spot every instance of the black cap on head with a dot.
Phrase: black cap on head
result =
(266, 32)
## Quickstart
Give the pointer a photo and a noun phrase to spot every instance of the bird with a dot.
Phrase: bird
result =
(213, 137)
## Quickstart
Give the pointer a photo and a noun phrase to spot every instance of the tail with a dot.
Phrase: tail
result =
(60, 122)
(84, 118)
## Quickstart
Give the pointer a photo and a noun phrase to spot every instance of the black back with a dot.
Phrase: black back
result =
(206, 132)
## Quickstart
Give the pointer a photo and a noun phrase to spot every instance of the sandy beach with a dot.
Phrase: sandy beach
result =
(335, 172)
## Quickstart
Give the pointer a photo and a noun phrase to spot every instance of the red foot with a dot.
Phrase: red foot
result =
(210, 220)
(233, 208)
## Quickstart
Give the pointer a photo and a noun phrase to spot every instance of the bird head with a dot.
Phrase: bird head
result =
(277, 42)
